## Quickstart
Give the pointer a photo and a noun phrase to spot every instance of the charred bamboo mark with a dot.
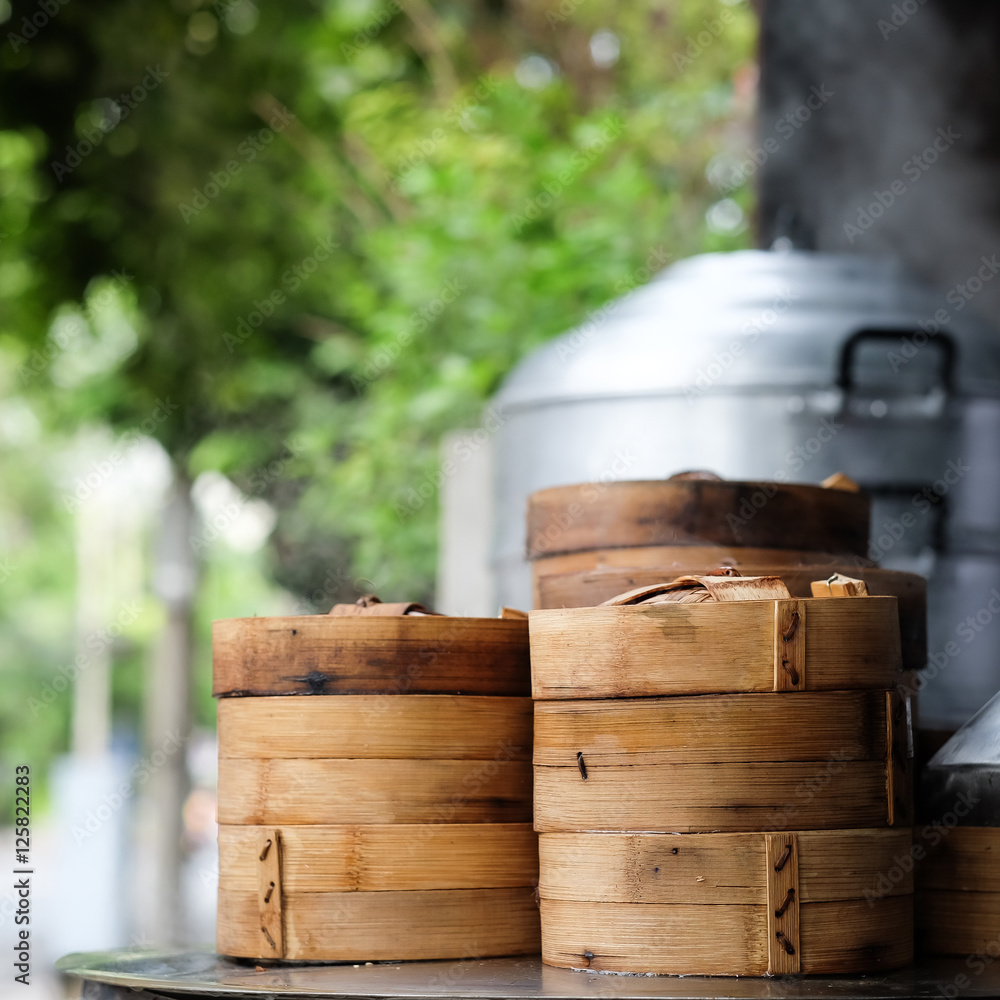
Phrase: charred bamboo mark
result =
(785, 943)
(316, 681)
(263, 853)
(582, 764)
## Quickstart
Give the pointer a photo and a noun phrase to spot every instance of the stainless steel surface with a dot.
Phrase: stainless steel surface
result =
(750, 364)
(961, 784)
(203, 974)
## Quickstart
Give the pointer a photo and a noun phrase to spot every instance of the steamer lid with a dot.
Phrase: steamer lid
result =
(759, 320)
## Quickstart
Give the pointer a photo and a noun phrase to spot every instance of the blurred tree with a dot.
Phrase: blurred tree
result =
(295, 243)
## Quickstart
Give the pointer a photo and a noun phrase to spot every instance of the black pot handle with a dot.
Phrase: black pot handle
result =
(942, 341)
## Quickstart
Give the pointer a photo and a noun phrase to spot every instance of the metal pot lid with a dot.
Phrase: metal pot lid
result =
(759, 320)
(961, 784)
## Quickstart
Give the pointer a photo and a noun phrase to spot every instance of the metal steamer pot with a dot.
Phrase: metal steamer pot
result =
(787, 366)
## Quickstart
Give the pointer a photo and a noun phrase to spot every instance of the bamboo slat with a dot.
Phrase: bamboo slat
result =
(270, 894)
(300, 792)
(593, 582)
(713, 868)
(323, 654)
(816, 726)
(456, 727)
(697, 512)
(385, 926)
(784, 903)
(384, 858)
(611, 652)
(847, 936)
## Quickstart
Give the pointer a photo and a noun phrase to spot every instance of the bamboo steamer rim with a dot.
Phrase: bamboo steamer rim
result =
(584, 516)
(383, 857)
(826, 601)
(819, 571)
(388, 926)
(661, 867)
(749, 774)
(810, 726)
(383, 726)
(284, 791)
(676, 608)
(709, 555)
(378, 654)
(716, 798)
(595, 585)
(842, 937)
(431, 622)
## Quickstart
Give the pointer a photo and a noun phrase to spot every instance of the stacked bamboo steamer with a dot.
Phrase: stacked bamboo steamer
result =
(956, 846)
(374, 786)
(718, 785)
(958, 890)
(590, 541)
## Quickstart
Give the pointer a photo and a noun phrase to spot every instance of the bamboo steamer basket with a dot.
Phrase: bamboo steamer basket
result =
(593, 585)
(750, 903)
(592, 541)
(718, 785)
(958, 891)
(726, 763)
(381, 654)
(799, 644)
(366, 812)
(957, 845)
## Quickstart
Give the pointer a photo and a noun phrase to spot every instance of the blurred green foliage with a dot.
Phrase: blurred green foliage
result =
(322, 232)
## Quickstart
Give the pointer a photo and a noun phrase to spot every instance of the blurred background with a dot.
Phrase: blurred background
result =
(265, 268)
(256, 261)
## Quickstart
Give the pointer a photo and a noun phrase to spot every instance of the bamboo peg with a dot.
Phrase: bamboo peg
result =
(269, 894)
(784, 954)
